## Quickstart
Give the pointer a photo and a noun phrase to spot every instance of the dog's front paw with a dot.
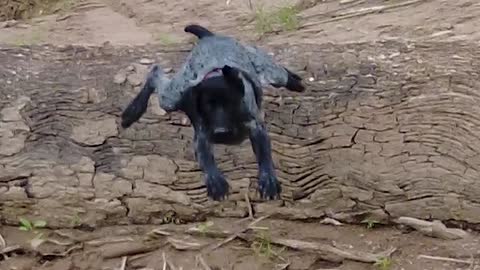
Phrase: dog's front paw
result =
(217, 187)
(268, 186)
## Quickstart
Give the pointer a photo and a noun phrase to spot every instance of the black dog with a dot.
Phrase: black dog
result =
(224, 108)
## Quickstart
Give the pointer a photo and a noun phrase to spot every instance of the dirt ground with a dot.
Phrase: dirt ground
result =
(140, 22)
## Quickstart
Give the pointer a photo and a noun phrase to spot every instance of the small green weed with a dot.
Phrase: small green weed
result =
(383, 263)
(370, 223)
(26, 225)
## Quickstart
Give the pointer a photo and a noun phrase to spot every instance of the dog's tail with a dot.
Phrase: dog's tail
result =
(139, 104)
(198, 31)
(294, 82)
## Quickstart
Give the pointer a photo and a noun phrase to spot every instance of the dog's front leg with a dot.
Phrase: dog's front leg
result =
(268, 185)
(217, 186)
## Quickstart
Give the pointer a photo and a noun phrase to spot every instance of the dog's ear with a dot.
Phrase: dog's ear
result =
(233, 78)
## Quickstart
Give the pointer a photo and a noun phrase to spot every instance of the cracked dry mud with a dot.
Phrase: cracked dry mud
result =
(387, 128)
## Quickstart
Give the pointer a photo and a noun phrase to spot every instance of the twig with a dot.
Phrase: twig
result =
(203, 262)
(237, 234)
(445, 259)
(62, 254)
(124, 263)
(131, 249)
(249, 206)
(101, 242)
(170, 264)
(362, 12)
(3, 244)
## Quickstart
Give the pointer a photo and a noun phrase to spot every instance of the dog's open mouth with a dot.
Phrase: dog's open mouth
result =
(213, 73)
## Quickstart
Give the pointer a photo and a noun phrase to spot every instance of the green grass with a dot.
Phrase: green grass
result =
(281, 19)
(262, 245)
(165, 39)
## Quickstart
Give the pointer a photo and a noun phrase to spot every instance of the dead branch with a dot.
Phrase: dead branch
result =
(301, 245)
(350, 255)
(433, 229)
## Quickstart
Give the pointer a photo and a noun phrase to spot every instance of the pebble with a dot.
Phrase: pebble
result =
(146, 61)
(135, 79)
(120, 77)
